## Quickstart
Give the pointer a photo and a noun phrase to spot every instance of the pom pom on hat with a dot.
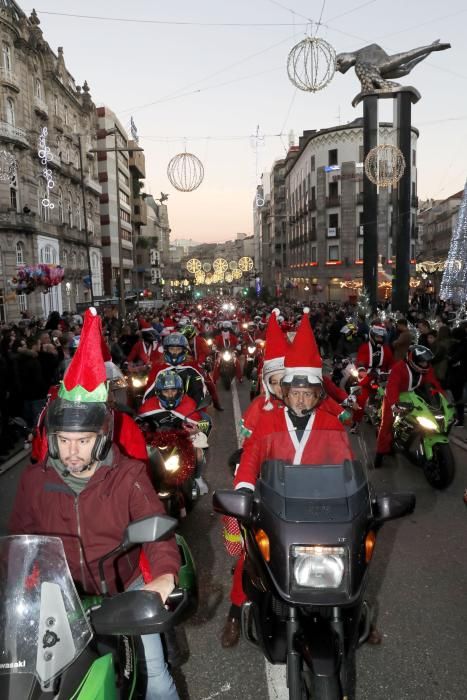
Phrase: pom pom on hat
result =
(306, 309)
(276, 311)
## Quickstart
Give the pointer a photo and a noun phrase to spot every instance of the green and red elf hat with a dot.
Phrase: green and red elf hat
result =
(85, 378)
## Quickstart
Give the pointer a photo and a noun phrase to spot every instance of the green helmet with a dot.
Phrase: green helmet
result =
(189, 331)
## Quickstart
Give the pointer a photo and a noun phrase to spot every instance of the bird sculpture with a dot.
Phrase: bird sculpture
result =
(374, 67)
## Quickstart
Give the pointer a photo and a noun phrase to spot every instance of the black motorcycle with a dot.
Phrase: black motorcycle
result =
(309, 533)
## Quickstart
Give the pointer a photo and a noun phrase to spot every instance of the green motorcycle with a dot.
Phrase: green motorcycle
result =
(55, 645)
(421, 428)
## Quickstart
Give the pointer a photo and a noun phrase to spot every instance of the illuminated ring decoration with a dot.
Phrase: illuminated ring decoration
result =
(311, 64)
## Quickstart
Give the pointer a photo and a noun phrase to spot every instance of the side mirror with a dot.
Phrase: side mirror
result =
(234, 503)
(354, 390)
(152, 529)
(393, 506)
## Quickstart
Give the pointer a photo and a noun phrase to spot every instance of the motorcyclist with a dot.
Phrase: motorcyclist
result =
(86, 492)
(144, 351)
(227, 340)
(175, 357)
(173, 408)
(349, 340)
(373, 356)
(200, 352)
(406, 375)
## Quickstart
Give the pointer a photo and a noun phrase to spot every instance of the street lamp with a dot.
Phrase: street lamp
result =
(116, 149)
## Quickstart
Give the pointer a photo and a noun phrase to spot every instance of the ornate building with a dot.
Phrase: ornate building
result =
(324, 214)
(38, 91)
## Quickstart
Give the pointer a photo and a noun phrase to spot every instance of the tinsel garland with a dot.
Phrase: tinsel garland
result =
(454, 282)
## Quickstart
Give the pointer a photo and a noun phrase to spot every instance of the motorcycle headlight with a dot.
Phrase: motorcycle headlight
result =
(138, 382)
(227, 356)
(172, 464)
(251, 350)
(209, 341)
(319, 567)
(427, 423)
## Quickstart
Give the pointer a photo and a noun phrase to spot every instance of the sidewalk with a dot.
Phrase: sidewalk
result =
(458, 437)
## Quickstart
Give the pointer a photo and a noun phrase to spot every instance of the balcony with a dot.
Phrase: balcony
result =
(334, 201)
(13, 133)
(414, 201)
(8, 77)
(140, 212)
(12, 220)
(57, 123)
(92, 185)
(136, 161)
(40, 107)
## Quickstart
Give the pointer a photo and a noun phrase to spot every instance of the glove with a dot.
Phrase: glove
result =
(345, 417)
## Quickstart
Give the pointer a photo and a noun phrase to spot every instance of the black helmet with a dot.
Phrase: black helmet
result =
(419, 358)
(80, 417)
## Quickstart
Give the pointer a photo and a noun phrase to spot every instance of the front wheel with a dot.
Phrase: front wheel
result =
(226, 381)
(439, 471)
(324, 688)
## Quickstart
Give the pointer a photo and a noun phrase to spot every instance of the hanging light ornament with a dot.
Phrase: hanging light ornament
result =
(193, 265)
(237, 274)
(311, 64)
(208, 279)
(233, 265)
(384, 165)
(7, 167)
(228, 277)
(207, 267)
(185, 172)
(220, 265)
(200, 277)
(245, 264)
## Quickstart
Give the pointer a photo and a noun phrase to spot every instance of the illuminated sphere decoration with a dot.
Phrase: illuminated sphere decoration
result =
(233, 265)
(311, 64)
(207, 267)
(245, 264)
(7, 167)
(228, 277)
(384, 165)
(220, 265)
(193, 265)
(185, 172)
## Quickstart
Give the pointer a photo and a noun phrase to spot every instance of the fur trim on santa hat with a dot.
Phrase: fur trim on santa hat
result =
(276, 311)
(306, 309)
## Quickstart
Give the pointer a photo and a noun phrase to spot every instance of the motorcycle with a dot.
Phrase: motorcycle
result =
(55, 644)
(377, 388)
(421, 427)
(226, 360)
(137, 376)
(309, 534)
(174, 460)
(344, 373)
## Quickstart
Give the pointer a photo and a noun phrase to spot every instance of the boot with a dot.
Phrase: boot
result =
(231, 632)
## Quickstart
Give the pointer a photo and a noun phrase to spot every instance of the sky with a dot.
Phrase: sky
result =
(209, 89)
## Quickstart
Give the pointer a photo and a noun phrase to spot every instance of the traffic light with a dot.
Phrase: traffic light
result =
(245, 291)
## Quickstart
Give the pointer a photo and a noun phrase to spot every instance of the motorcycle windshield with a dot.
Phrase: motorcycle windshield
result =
(313, 475)
(43, 627)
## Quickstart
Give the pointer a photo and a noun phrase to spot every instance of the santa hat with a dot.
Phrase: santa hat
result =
(85, 378)
(144, 325)
(276, 346)
(303, 358)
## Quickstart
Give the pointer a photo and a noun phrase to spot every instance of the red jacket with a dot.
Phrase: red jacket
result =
(201, 349)
(143, 352)
(335, 392)
(401, 378)
(229, 341)
(187, 407)
(92, 524)
(275, 438)
(365, 357)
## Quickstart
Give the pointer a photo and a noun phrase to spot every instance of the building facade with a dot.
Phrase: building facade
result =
(323, 188)
(50, 217)
(150, 263)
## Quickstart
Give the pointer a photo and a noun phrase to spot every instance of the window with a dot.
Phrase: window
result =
(61, 220)
(414, 157)
(69, 210)
(312, 164)
(76, 292)
(82, 261)
(333, 157)
(333, 253)
(19, 253)
(66, 154)
(333, 190)
(124, 178)
(22, 302)
(10, 112)
(65, 114)
(64, 258)
(314, 254)
(79, 221)
(95, 262)
(360, 251)
(124, 216)
(361, 154)
(56, 106)
(73, 260)
(6, 51)
(38, 88)
(124, 197)
(14, 192)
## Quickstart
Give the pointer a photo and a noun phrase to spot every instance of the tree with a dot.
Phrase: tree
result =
(454, 282)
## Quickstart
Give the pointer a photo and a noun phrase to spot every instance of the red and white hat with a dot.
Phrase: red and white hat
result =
(144, 325)
(276, 345)
(303, 358)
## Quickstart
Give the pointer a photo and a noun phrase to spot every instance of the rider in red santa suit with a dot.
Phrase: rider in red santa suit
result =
(226, 340)
(405, 375)
(307, 411)
(144, 351)
(372, 355)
